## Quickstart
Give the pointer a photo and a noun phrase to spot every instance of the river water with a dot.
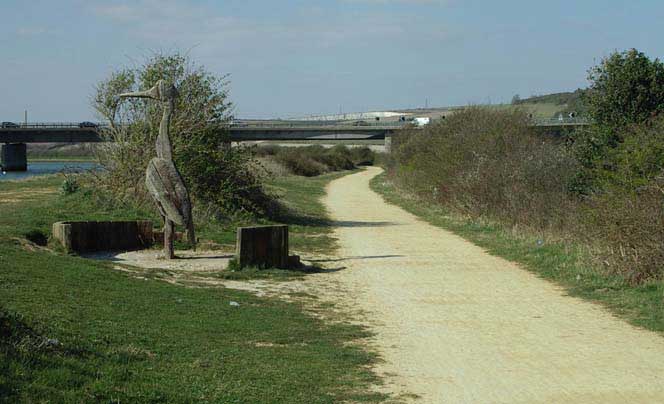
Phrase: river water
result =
(48, 167)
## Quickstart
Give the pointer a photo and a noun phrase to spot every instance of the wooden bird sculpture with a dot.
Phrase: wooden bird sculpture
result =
(162, 178)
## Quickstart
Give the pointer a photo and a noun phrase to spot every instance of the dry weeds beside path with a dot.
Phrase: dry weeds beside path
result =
(457, 325)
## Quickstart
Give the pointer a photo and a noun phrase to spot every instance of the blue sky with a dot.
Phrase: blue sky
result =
(292, 58)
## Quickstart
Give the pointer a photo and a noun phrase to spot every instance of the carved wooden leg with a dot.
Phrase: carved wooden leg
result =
(169, 235)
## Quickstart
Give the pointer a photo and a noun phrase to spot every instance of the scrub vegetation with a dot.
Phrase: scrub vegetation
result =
(310, 161)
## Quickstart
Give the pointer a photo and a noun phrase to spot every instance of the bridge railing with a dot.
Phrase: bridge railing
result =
(59, 125)
(561, 121)
(317, 124)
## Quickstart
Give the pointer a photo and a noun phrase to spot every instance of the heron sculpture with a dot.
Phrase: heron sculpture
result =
(162, 178)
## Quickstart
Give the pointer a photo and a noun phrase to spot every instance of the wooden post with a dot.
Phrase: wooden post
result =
(262, 246)
(14, 157)
(169, 235)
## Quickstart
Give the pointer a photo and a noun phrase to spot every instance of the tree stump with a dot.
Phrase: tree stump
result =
(262, 246)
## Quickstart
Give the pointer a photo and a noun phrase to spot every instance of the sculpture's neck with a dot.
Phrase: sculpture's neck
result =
(163, 144)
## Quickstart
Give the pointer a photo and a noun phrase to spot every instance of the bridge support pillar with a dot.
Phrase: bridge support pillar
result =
(388, 143)
(14, 157)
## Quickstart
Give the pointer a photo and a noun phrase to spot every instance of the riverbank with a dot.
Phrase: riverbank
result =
(45, 167)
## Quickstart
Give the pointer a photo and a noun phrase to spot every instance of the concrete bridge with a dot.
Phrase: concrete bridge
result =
(14, 138)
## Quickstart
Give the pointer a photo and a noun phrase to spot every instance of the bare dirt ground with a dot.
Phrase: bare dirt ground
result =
(457, 325)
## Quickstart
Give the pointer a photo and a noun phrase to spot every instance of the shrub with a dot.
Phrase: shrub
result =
(315, 160)
(490, 163)
(69, 185)
(299, 163)
(628, 227)
(362, 156)
(626, 210)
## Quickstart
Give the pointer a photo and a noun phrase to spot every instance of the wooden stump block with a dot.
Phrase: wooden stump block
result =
(14, 157)
(103, 236)
(262, 246)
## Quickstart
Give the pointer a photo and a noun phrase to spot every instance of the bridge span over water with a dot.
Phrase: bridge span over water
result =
(15, 137)
(72, 133)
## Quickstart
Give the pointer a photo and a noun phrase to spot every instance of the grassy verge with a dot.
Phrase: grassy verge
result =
(75, 330)
(641, 305)
(309, 228)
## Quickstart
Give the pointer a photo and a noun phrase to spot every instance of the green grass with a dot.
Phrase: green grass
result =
(75, 330)
(565, 264)
(310, 230)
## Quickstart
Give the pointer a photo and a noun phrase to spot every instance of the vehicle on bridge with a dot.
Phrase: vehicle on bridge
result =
(87, 124)
(8, 125)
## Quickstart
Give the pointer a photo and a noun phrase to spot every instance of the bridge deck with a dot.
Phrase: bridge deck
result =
(91, 135)
(240, 131)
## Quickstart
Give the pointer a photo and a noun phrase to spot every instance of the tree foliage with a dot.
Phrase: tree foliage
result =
(626, 92)
(626, 88)
(218, 176)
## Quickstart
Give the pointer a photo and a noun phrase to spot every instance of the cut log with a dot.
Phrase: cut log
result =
(262, 246)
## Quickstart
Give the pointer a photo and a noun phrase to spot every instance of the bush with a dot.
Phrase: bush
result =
(362, 156)
(225, 179)
(628, 228)
(315, 160)
(490, 163)
(300, 164)
(627, 205)
(69, 185)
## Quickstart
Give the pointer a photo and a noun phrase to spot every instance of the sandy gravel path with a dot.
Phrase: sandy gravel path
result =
(456, 325)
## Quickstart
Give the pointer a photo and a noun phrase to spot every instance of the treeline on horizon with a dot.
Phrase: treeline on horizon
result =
(602, 189)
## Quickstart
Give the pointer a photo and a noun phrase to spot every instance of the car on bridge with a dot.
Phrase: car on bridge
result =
(87, 124)
(6, 125)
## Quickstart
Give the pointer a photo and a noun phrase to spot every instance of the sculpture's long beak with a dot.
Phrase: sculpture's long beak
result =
(151, 93)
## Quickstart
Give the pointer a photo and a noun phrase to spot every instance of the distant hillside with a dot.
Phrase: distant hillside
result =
(565, 102)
